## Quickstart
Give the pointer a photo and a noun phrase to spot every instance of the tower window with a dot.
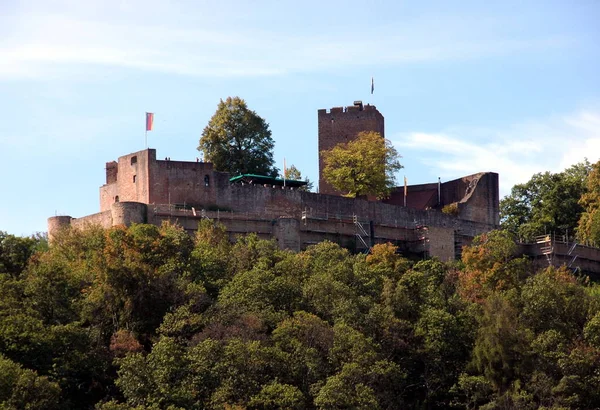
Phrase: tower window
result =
(134, 160)
(117, 198)
(206, 180)
(134, 178)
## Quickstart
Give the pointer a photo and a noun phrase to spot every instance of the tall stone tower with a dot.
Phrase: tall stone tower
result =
(342, 124)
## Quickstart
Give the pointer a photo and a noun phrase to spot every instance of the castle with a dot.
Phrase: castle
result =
(140, 188)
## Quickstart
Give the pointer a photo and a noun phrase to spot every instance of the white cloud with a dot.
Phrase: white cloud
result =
(515, 152)
(51, 41)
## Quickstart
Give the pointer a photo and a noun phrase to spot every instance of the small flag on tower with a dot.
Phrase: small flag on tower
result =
(149, 121)
(372, 85)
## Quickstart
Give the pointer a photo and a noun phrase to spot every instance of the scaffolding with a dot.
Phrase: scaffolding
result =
(363, 237)
(546, 247)
(422, 232)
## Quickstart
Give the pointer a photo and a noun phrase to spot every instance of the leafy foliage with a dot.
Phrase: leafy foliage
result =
(364, 166)
(588, 229)
(546, 203)
(237, 140)
(294, 173)
(148, 317)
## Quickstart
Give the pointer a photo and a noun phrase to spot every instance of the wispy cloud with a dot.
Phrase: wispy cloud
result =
(43, 44)
(515, 152)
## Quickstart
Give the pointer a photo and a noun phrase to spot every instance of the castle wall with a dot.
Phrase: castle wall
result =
(287, 234)
(341, 125)
(420, 196)
(477, 195)
(108, 195)
(326, 213)
(441, 243)
(387, 214)
(127, 213)
(140, 177)
(179, 182)
(103, 219)
(132, 182)
(482, 199)
(56, 224)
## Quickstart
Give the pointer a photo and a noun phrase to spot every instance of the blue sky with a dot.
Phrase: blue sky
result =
(510, 87)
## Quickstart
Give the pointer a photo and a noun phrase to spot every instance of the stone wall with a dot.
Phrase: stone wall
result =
(140, 177)
(132, 179)
(103, 219)
(441, 243)
(482, 199)
(179, 182)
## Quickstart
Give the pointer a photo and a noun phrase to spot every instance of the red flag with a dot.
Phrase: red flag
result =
(149, 121)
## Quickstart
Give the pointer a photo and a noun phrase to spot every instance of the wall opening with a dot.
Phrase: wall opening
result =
(134, 178)
(117, 198)
(134, 160)
(206, 180)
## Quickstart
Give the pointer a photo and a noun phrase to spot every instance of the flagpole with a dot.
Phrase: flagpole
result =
(405, 189)
(146, 138)
(284, 172)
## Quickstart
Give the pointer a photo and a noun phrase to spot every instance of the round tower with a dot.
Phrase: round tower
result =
(127, 213)
(57, 224)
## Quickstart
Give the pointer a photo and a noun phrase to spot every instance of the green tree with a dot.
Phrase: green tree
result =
(238, 141)
(276, 396)
(15, 252)
(490, 264)
(294, 173)
(24, 389)
(502, 348)
(588, 229)
(364, 166)
(546, 203)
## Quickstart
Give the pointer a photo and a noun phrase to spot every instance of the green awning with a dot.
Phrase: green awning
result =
(263, 179)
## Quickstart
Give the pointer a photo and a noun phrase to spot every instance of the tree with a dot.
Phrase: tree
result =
(365, 166)
(23, 389)
(546, 203)
(294, 173)
(238, 141)
(15, 251)
(588, 229)
(490, 265)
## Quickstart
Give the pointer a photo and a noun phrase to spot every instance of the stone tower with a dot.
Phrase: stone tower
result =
(342, 124)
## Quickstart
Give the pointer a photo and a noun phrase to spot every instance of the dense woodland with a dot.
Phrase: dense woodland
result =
(150, 317)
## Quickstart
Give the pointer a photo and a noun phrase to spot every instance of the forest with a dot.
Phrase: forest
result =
(147, 317)
(150, 317)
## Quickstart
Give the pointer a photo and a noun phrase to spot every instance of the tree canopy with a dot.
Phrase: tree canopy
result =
(364, 166)
(238, 141)
(546, 203)
(294, 173)
(588, 229)
(149, 317)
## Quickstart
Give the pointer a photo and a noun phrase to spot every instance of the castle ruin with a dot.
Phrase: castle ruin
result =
(140, 188)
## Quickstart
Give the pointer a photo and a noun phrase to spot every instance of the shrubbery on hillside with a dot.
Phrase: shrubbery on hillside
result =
(147, 317)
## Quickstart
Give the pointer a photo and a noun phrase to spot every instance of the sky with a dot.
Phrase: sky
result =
(510, 87)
